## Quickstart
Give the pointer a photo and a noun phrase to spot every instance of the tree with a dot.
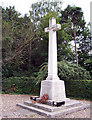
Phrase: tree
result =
(84, 49)
(41, 8)
(18, 40)
(75, 16)
(18, 33)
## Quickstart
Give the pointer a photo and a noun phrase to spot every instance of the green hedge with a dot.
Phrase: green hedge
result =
(79, 89)
(23, 85)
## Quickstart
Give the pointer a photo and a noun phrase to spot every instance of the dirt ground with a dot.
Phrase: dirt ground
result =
(8, 108)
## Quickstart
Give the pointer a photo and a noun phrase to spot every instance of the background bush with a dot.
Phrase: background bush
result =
(23, 85)
(66, 71)
(79, 89)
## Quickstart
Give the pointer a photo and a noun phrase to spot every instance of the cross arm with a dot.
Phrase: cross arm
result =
(57, 27)
(54, 28)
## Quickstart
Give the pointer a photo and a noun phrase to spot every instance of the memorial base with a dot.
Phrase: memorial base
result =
(54, 88)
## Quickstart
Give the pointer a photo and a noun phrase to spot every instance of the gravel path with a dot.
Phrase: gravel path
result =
(10, 110)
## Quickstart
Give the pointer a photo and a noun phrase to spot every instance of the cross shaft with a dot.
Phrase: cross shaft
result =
(52, 57)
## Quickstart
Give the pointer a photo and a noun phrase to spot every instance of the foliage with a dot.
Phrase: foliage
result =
(43, 7)
(66, 71)
(22, 85)
(84, 49)
(17, 43)
(80, 33)
(70, 71)
(75, 14)
(18, 36)
(88, 65)
(13, 70)
(64, 47)
(81, 89)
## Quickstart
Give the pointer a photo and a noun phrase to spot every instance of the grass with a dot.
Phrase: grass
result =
(32, 115)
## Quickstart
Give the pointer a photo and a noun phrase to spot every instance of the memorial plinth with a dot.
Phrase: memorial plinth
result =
(53, 86)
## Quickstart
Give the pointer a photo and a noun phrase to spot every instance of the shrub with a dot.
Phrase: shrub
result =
(70, 71)
(79, 89)
(20, 85)
(67, 71)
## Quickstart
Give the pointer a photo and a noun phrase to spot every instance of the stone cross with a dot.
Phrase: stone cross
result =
(52, 58)
(53, 86)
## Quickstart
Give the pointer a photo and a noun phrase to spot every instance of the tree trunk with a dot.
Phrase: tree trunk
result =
(75, 46)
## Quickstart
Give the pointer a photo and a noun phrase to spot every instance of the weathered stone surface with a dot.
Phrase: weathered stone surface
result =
(71, 103)
(52, 111)
(54, 88)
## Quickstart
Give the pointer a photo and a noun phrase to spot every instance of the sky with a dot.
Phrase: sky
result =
(23, 6)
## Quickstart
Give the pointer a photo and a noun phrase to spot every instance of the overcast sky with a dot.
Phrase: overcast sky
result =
(23, 6)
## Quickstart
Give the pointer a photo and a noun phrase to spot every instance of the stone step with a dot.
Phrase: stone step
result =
(39, 111)
(39, 106)
(55, 113)
(69, 110)
(52, 108)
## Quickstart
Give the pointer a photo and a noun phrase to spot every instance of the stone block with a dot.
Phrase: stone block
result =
(54, 88)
